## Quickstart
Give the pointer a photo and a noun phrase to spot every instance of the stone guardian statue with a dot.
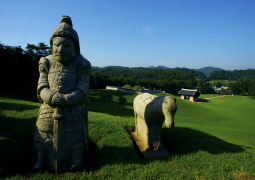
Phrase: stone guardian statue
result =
(61, 131)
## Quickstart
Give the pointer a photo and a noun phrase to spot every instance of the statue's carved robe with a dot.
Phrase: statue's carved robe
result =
(71, 80)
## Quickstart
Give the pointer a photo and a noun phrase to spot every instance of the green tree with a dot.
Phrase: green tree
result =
(205, 88)
(16, 70)
(117, 81)
(190, 83)
(127, 86)
(137, 87)
(251, 90)
(218, 84)
(131, 80)
(235, 88)
(98, 81)
(36, 52)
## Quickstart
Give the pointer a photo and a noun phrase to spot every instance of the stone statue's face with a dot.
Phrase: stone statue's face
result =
(63, 49)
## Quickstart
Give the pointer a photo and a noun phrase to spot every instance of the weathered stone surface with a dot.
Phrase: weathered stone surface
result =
(150, 113)
(61, 133)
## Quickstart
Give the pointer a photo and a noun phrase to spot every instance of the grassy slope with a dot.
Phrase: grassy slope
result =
(209, 95)
(229, 117)
(207, 143)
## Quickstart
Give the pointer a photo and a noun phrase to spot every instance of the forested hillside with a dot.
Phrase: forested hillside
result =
(169, 80)
(237, 75)
(19, 73)
(208, 70)
(239, 82)
(172, 80)
(150, 73)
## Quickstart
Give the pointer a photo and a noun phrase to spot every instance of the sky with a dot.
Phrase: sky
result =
(141, 33)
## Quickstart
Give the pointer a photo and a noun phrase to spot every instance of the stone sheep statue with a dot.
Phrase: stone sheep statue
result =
(150, 113)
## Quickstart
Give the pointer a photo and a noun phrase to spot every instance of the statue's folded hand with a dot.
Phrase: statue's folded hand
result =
(58, 100)
(73, 98)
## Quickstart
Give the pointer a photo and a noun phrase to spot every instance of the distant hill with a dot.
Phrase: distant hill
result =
(208, 70)
(162, 67)
(162, 72)
(159, 67)
(95, 67)
(156, 73)
(205, 70)
(236, 75)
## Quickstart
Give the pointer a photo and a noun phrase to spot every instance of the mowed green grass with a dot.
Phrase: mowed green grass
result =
(229, 117)
(209, 95)
(212, 140)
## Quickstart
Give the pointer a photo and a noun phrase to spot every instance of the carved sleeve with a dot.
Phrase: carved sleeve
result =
(44, 93)
(80, 94)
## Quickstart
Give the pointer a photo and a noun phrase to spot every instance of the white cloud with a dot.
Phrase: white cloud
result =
(148, 30)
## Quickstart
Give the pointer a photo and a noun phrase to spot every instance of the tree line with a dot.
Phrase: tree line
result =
(19, 67)
(150, 73)
(236, 75)
(169, 80)
(241, 82)
(19, 73)
(172, 80)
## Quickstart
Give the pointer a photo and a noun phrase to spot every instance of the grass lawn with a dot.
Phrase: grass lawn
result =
(203, 96)
(228, 117)
(212, 140)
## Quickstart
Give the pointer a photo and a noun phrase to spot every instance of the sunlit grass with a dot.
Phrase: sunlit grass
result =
(211, 140)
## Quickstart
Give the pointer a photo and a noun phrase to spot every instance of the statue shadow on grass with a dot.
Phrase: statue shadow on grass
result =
(23, 163)
(110, 102)
(181, 140)
(22, 96)
(178, 141)
(16, 146)
(16, 106)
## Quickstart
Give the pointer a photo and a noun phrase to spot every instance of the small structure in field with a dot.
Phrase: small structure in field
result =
(190, 94)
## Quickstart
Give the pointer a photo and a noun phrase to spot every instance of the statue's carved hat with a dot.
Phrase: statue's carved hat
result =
(65, 29)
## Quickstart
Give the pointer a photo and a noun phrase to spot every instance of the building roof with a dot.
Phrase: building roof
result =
(189, 92)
